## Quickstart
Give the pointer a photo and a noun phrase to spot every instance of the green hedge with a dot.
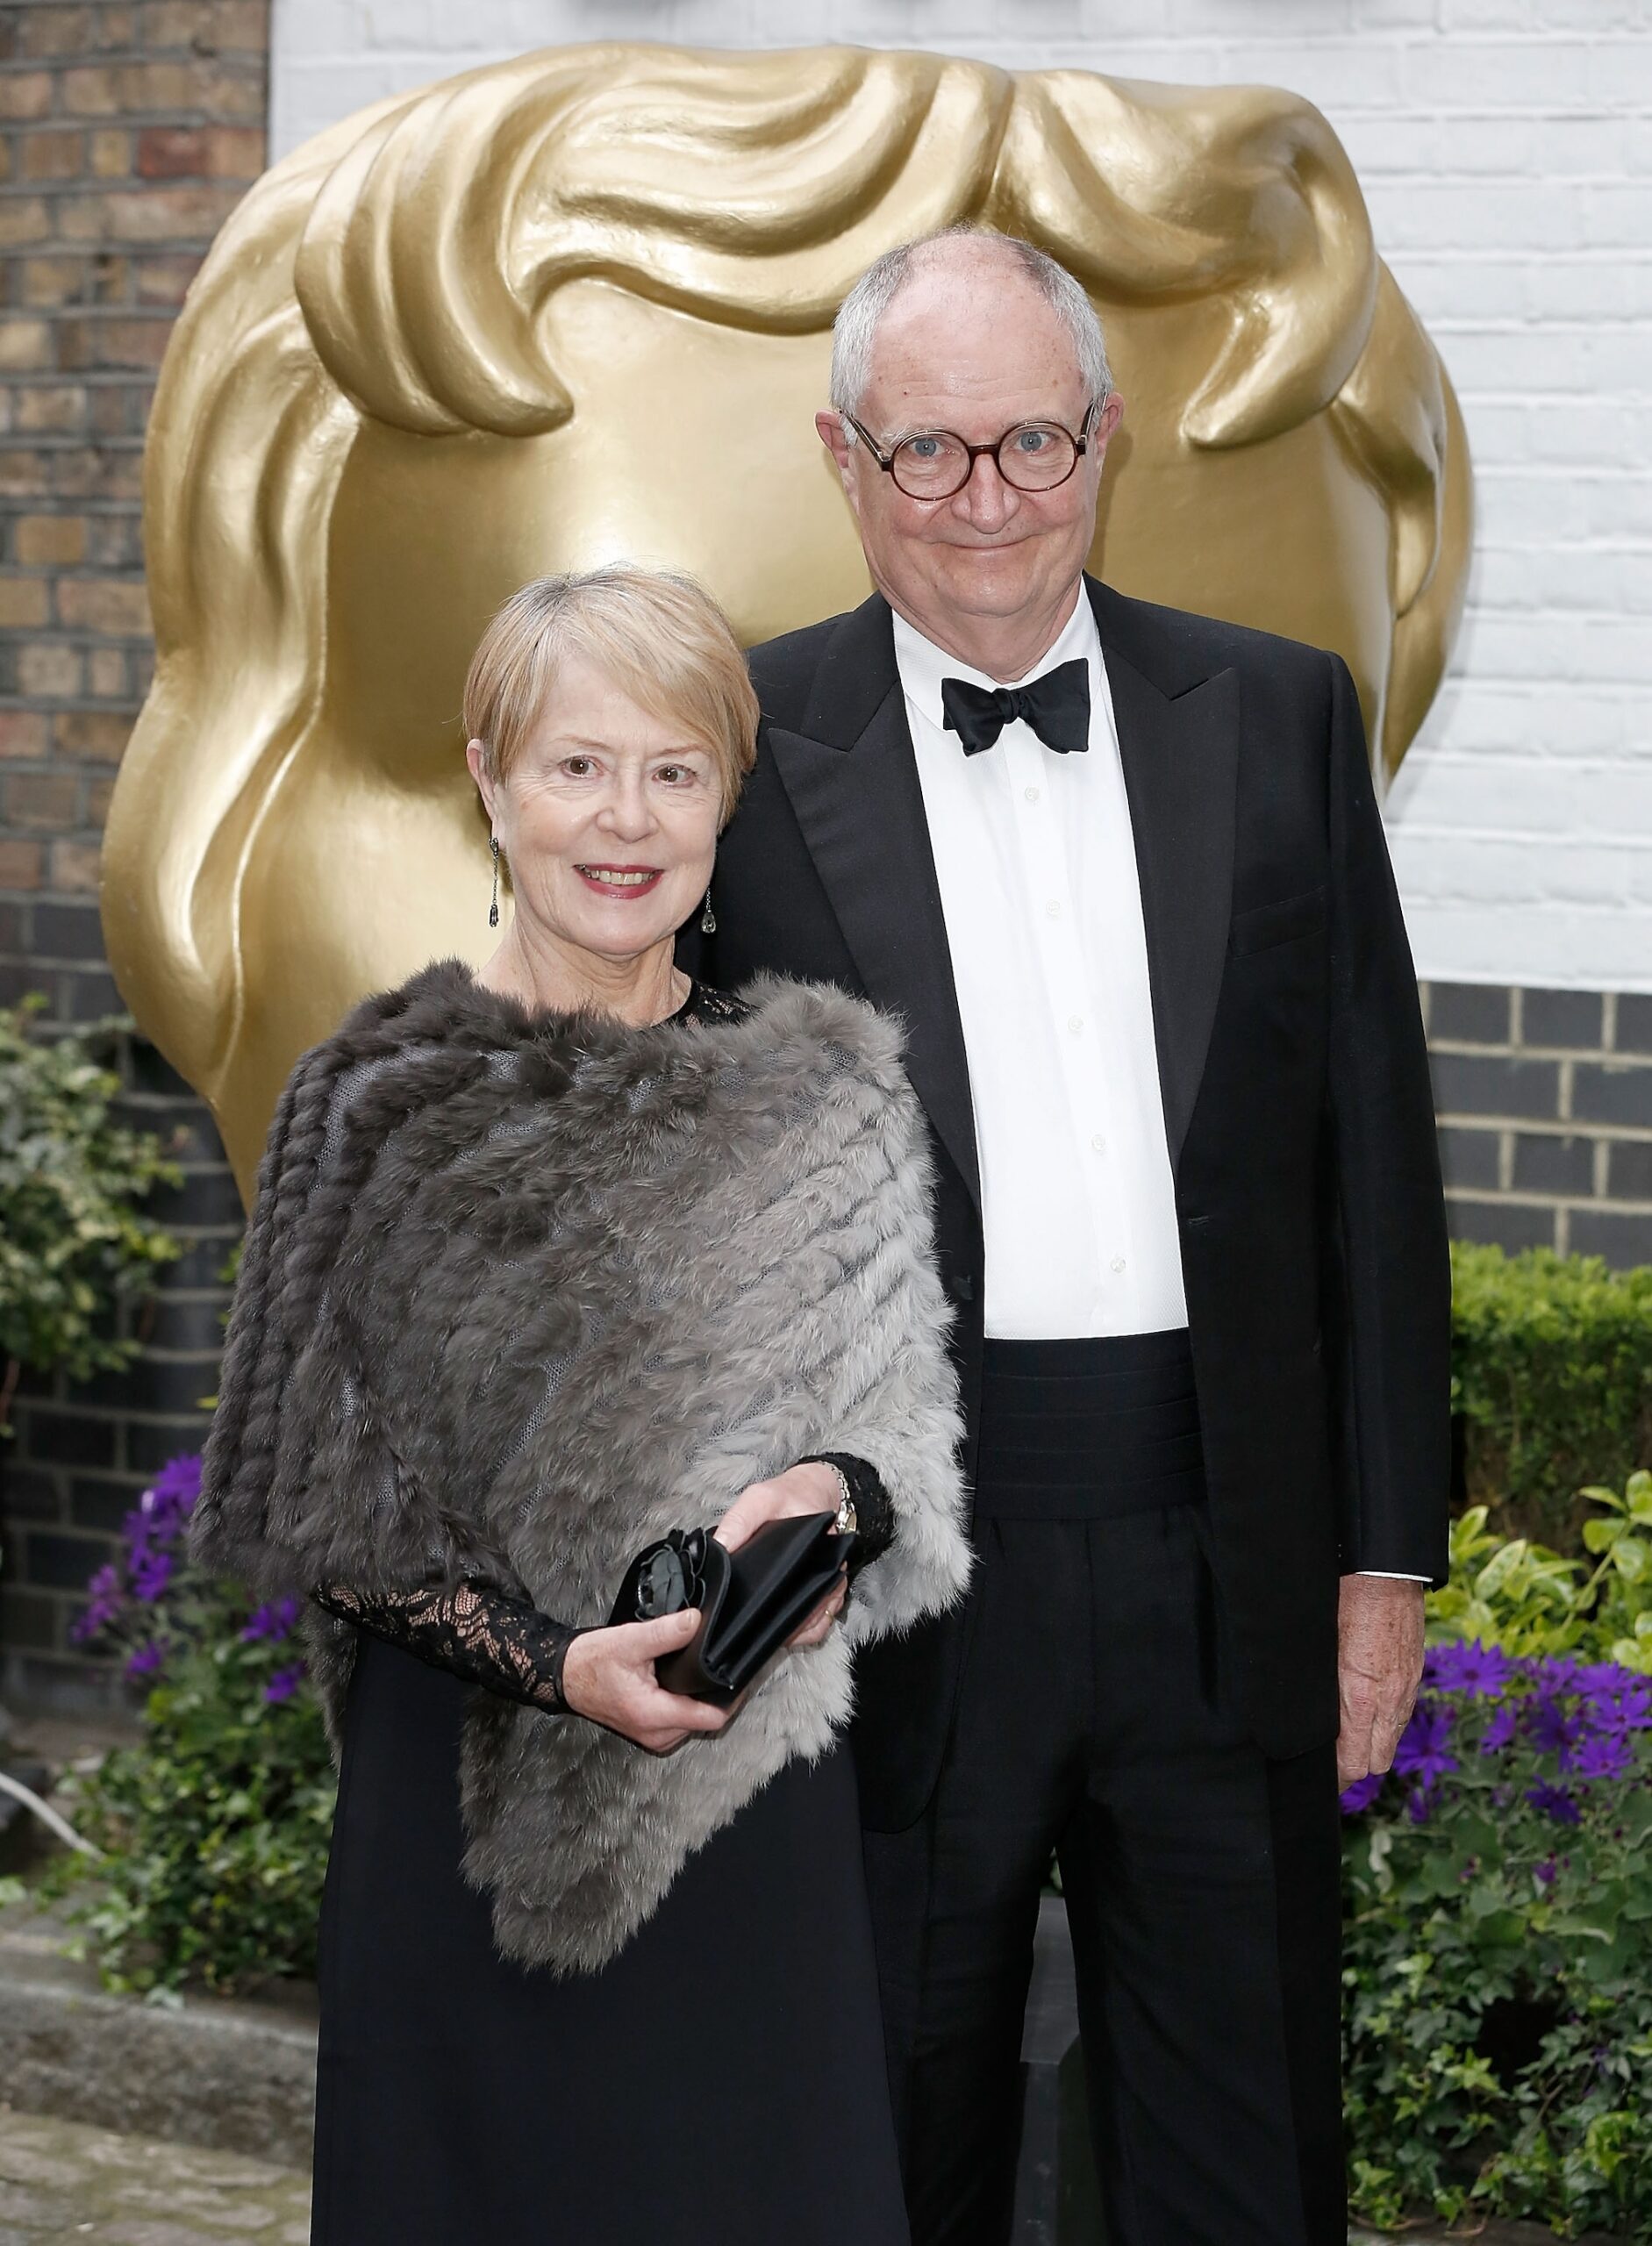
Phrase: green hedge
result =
(1551, 1382)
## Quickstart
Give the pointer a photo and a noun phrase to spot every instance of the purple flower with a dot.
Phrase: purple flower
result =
(160, 1516)
(172, 1494)
(1552, 1731)
(1501, 1729)
(284, 1682)
(1623, 1706)
(1362, 1793)
(148, 1659)
(1421, 1753)
(273, 1622)
(1607, 1755)
(1546, 1872)
(1481, 1671)
(105, 1596)
(1554, 1802)
(151, 1572)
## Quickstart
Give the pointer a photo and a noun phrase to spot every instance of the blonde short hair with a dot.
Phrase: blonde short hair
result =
(658, 635)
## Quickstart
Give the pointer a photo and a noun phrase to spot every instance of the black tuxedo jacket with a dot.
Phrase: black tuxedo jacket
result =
(1296, 1090)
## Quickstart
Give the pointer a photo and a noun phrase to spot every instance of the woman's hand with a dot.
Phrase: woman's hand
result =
(608, 1675)
(801, 1490)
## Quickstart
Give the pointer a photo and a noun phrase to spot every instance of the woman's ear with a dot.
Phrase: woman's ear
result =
(476, 760)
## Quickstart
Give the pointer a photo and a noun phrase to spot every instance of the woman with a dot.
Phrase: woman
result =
(548, 1261)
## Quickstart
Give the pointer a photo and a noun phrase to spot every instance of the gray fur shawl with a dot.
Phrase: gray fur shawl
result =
(520, 1293)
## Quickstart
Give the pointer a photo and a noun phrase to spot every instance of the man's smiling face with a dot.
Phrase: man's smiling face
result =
(970, 345)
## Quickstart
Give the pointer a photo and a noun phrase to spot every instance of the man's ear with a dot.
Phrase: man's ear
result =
(835, 438)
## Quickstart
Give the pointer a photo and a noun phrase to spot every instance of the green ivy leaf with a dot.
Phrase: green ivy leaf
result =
(1630, 1556)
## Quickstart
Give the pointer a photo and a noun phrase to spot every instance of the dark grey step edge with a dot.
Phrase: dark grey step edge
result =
(232, 2076)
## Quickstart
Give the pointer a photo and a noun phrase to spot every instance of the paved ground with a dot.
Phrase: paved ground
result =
(59, 2180)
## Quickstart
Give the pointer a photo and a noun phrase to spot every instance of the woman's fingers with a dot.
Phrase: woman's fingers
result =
(608, 1675)
(807, 1489)
(662, 1720)
(745, 1516)
(642, 1709)
(819, 1625)
(650, 1641)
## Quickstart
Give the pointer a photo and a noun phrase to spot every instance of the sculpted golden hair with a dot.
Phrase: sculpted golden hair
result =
(399, 268)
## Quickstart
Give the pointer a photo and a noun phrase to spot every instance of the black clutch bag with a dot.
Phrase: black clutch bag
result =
(750, 1601)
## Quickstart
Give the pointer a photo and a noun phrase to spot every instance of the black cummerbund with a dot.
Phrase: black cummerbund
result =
(1082, 1430)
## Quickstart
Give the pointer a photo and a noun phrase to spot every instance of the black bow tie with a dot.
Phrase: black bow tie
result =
(1057, 706)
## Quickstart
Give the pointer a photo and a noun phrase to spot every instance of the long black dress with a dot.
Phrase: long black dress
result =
(721, 2082)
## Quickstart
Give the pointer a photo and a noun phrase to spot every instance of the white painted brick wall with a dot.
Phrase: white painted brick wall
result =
(1505, 146)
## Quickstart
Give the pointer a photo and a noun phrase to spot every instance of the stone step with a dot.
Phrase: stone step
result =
(231, 2076)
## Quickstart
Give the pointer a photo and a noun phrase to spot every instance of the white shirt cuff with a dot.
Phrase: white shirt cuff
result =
(1392, 1575)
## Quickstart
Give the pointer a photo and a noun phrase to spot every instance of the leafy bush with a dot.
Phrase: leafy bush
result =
(1521, 1596)
(1498, 1958)
(1551, 1379)
(73, 1247)
(213, 1829)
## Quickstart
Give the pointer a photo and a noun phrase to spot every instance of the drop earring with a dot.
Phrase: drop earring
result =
(493, 909)
(708, 918)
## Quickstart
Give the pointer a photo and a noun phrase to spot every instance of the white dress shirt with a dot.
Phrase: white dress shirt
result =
(1036, 862)
(1035, 857)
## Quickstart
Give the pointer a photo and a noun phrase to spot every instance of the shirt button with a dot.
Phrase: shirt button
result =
(1032, 795)
(1075, 1022)
(1118, 1262)
(1052, 909)
(1099, 1143)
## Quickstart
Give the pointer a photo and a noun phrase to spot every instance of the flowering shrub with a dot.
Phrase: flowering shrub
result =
(1499, 1964)
(213, 1828)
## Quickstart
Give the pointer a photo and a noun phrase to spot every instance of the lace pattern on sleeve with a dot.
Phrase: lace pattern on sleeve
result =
(477, 1633)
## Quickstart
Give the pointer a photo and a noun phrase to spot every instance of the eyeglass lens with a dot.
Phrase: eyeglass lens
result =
(1036, 457)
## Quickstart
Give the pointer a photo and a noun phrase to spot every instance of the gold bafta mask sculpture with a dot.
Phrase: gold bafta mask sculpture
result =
(577, 306)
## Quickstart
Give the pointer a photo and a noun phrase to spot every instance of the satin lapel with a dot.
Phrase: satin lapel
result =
(1181, 768)
(861, 809)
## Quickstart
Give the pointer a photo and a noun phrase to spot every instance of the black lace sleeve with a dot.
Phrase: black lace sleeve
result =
(873, 1514)
(482, 1635)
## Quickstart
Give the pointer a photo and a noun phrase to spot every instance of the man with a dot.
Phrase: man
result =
(1122, 871)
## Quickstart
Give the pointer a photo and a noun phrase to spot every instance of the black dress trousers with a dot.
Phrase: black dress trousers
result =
(1095, 1718)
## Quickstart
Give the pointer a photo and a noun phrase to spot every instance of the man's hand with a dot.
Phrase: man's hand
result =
(1379, 1667)
(800, 1489)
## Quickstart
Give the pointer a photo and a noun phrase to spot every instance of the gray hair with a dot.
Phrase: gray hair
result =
(855, 330)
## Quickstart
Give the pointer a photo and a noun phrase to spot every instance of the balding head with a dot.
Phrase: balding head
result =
(976, 267)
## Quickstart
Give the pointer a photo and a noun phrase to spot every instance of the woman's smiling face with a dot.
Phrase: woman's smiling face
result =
(607, 819)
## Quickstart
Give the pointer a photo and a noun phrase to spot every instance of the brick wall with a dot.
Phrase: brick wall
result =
(1545, 1107)
(127, 132)
(1506, 151)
